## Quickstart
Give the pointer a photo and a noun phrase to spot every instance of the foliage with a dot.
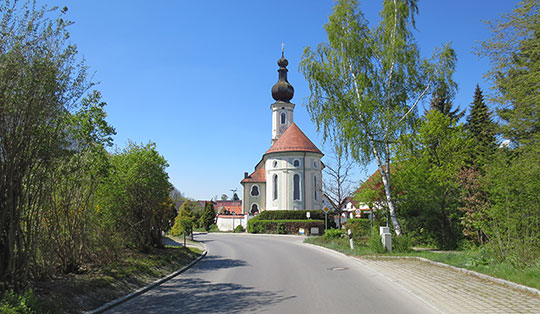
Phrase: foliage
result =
(513, 218)
(136, 196)
(334, 234)
(363, 82)
(402, 244)
(474, 206)
(288, 226)
(514, 55)
(12, 303)
(481, 129)
(375, 242)
(239, 229)
(209, 216)
(430, 161)
(360, 228)
(183, 223)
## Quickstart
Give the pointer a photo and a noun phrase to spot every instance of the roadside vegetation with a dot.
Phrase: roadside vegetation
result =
(447, 178)
(75, 215)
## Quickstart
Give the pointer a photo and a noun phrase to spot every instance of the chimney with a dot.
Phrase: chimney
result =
(245, 175)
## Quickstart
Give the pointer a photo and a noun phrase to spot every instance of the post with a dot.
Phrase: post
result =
(325, 220)
(350, 239)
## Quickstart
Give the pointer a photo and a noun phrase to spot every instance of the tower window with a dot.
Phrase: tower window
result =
(254, 209)
(296, 187)
(315, 187)
(296, 163)
(283, 117)
(274, 163)
(315, 164)
(275, 186)
(254, 190)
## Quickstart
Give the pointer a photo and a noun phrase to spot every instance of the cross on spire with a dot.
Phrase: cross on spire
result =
(282, 50)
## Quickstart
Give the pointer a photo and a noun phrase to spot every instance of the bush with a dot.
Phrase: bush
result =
(238, 229)
(375, 242)
(333, 234)
(402, 244)
(213, 228)
(359, 228)
(14, 303)
(290, 226)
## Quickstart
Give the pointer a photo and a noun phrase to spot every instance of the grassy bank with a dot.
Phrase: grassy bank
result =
(99, 284)
(477, 260)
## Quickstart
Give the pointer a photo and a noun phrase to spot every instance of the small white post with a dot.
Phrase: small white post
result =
(350, 239)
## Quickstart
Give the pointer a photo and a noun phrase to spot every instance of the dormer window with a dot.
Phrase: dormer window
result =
(283, 117)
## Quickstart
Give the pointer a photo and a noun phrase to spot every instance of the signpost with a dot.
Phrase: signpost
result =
(325, 217)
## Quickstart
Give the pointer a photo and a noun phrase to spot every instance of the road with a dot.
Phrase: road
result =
(245, 273)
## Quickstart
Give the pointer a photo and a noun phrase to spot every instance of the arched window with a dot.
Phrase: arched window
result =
(296, 163)
(254, 209)
(274, 163)
(274, 183)
(296, 187)
(315, 164)
(283, 117)
(254, 190)
(315, 188)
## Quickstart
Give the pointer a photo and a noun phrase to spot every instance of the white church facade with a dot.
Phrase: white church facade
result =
(289, 174)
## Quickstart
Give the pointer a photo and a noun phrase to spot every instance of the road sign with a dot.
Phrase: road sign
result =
(357, 212)
(326, 210)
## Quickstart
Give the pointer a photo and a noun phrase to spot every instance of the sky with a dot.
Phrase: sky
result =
(195, 77)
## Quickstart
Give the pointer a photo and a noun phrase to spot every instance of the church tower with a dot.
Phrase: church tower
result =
(282, 109)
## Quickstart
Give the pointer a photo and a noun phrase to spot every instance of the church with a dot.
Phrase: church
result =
(289, 174)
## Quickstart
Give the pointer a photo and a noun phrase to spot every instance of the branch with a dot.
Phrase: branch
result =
(417, 100)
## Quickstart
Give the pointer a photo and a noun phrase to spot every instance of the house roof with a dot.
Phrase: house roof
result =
(258, 175)
(293, 140)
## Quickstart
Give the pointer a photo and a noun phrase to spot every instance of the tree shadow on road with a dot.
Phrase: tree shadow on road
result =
(195, 295)
(214, 262)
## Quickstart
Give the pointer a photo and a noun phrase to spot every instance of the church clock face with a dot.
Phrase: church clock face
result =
(282, 129)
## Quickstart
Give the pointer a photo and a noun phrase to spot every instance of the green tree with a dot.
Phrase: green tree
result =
(365, 83)
(136, 195)
(481, 128)
(40, 82)
(427, 179)
(514, 53)
(224, 197)
(209, 216)
(185, 218)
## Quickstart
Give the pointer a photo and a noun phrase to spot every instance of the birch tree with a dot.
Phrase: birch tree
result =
(365, 83)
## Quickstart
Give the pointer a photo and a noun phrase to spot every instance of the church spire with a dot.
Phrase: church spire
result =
(282, 90)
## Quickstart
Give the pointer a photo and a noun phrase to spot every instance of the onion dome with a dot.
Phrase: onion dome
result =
(282, 90)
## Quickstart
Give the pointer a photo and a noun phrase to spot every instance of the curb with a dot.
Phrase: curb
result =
(500, 281)
(142, 290)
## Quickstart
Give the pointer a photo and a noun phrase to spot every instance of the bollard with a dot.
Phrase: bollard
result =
(350, 239)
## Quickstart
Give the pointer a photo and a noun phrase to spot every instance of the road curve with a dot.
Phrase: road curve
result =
(245, 273)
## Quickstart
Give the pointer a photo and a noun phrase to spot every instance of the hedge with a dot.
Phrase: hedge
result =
(290, 215)
(284, 226)
(359, 227)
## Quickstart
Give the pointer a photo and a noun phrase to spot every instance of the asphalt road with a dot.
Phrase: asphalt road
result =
(274, 274)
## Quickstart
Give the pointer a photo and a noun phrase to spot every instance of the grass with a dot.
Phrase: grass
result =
(77, 293)
(476, 260)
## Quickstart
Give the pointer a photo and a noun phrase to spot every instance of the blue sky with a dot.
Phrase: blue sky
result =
(195, 76)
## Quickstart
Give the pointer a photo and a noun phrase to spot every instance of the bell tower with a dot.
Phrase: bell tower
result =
(282, 92)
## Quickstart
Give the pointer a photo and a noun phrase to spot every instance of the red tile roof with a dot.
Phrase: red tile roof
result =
(293, 140)
(258, 175)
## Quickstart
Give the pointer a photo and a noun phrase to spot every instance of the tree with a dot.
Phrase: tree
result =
(209, 216)
(481, 129)
(235, 197)
(136, 195)
(40, 82)
(365, 84)
(183, 223)
(427, 179)
(337, 184)
(514, 53)
(442, 102)
(224, 197)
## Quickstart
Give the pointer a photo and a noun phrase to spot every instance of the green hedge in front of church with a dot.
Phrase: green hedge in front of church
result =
(284, 226)
(290, 215)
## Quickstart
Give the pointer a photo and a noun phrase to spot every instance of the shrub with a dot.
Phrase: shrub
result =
(375, 242)
(14, 303)
(213, 228)
(359, 228)
(290, 215)
(238, 229)
(402, 244)
(289, 226)
(333, 234)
